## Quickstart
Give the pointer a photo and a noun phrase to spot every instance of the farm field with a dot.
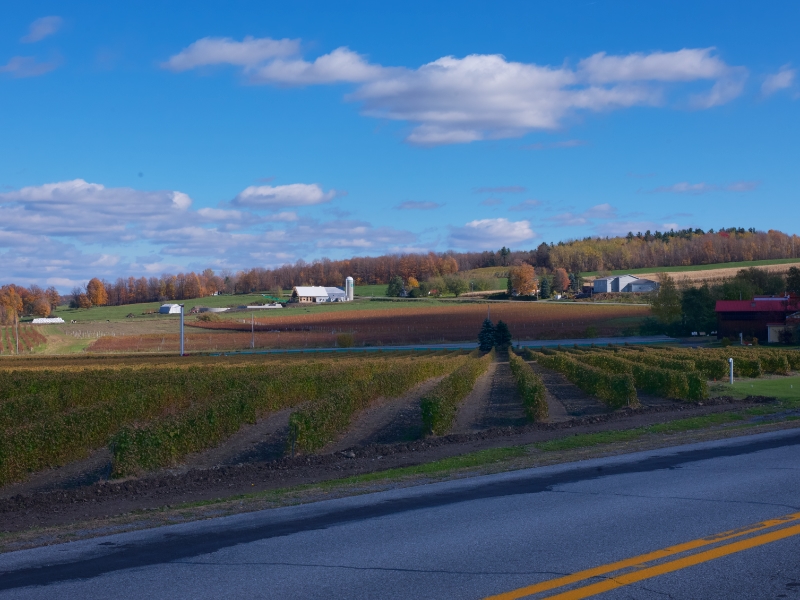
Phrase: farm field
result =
(388, 324)
(30, 340)
(98, 418)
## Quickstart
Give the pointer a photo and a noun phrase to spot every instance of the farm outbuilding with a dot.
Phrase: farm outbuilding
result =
(170, 309)
(623, 283)
(336, 294)
(47, 320)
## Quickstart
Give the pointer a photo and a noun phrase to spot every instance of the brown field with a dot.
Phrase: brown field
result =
(407, 325)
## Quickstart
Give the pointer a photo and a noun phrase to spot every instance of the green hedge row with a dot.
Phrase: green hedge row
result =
(440, 405)
(615, 389)
(530, 386)
(164, 441)
(689, 385)
(318, 423)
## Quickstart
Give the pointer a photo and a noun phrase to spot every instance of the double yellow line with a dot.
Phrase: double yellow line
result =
(637, 569)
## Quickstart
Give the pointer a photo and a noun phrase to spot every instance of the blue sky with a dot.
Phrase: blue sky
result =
(159, 137)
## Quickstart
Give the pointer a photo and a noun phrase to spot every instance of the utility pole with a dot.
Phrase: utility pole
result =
(16, 330)
(181, 305)
(252, 330)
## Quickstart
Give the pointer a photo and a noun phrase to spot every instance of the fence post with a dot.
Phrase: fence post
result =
(730, 362)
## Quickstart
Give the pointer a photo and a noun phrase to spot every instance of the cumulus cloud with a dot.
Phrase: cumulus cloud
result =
(218, 51)
(688, 64)
(279, 196)
(75, 230)
(684, 187)
(20, 67)
(418, 205)
(490, 233)
(781, 80)
(455, 100)
(42, 28)
(341, 65)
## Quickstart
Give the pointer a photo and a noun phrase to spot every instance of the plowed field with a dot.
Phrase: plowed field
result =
(411, 325)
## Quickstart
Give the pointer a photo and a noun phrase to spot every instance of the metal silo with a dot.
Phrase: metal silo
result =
(348, 288)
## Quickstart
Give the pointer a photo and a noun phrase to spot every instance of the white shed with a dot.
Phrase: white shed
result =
(47, 320)
(170, 309)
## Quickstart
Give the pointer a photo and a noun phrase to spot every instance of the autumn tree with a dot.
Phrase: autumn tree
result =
(41, 308)
(456, 285)
(560, 280)
(523, 280)
(96, 292)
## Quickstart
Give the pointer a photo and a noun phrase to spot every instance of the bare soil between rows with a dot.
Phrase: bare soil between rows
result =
(105, 499)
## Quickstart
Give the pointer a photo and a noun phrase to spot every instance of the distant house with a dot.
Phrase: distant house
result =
(623, 283)
(170, 309)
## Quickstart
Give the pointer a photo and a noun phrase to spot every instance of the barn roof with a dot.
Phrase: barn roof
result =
(758, 305)
(310, 290)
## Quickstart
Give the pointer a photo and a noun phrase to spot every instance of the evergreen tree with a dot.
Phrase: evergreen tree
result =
(395, 287)
(545, 288)
(486, 336)
(793, 280)
(502, 335)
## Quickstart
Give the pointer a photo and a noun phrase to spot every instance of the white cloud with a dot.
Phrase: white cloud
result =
(340, 65)
(460, 100)
(689, 64)
(20, 67)
(217, 51)
(41, 28)
(490, 233)
(295, 194)
(781, 80)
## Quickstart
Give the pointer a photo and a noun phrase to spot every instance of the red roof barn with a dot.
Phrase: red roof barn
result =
(751, 317)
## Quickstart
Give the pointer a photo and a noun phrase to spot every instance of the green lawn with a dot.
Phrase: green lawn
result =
(784, 388)
(730, 265)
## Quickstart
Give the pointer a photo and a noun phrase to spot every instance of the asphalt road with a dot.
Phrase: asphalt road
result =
(660, 512)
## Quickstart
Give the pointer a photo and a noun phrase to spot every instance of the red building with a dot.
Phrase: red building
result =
(751, 317)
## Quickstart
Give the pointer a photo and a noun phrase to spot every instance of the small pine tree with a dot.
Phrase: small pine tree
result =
(395, 287)
(545, 289)
(502, 335)
(486, 336)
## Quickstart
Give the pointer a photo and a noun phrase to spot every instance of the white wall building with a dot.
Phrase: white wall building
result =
(623, 283)
(170, 309)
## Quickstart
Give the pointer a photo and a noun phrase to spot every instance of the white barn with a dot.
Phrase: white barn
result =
(308, 294)
(170, 309)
